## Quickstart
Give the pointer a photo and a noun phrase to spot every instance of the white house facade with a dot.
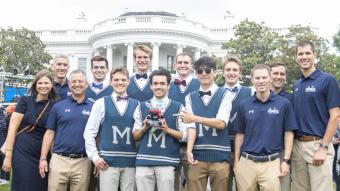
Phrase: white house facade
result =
(167, 34)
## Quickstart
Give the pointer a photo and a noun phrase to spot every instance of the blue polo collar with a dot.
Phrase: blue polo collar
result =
(313, 75)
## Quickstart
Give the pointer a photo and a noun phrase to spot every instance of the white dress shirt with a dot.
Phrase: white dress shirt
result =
(141, 82)
(97, 90)
(187, 81)
(224, 109)
(96, 118)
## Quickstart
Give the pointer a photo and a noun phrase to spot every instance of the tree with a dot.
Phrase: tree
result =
(21, 49)
(254, 44)
(336, 40)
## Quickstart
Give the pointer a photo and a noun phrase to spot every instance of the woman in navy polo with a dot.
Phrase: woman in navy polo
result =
(23, 150)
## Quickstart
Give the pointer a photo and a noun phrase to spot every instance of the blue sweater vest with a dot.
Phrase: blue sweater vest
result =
(116, 144)
(158, 148)
(211, 144)
(95, 96)
(243, 93)
(139, 94)
(176, 94)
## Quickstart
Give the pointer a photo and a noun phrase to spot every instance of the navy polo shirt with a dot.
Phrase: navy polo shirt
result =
(62, 90)
(285, 94)
(264, 124)
(68, 118)
(313, 97)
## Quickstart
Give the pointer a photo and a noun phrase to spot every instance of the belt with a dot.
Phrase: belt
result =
(73, 156)
(183, 144)
(305, 138)
(260, 158)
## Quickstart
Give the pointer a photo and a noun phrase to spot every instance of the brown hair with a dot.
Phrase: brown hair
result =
(144, 49)
(119, 70)
(228, 59)
(260, 67)
(33, 90)
(99, 58)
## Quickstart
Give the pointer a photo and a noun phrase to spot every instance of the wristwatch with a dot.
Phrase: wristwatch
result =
(324, 146)
(286, 161)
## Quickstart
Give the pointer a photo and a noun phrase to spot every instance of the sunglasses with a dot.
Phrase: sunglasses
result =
(206, 70)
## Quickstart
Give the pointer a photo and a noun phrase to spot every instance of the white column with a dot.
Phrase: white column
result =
(155, 55)
(96, 52)
(129, 57)
(109, 56)
(197, 53)
(179, 49)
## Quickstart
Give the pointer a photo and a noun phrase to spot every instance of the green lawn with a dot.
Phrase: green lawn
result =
(5, 187)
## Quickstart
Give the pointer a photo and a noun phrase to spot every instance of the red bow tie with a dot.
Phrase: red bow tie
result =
(180, 82)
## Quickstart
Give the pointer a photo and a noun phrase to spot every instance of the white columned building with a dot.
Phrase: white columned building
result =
(115, 38)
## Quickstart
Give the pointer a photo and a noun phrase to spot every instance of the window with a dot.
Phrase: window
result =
(82, 63)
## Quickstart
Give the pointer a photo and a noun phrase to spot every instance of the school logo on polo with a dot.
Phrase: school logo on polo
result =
(310, 89)
(127, 132)
(67, 110)
(152, 135)
(273, 111)
(85, 112)
(206, 128)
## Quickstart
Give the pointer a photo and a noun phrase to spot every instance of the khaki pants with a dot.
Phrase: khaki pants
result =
(112, 177)
(250, 175)
(65, 170)
(305, 175)
(148, 177)
(217, 171)
(285, 181)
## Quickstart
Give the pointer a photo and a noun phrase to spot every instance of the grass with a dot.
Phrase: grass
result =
(5, 187)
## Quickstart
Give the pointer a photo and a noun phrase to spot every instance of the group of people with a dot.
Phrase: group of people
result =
(144, 131)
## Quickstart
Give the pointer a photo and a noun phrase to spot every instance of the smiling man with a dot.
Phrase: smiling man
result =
(232, 71)
(183, 84)
(112, 119)
(160, 131)
(99, 87)
(278, 73)
(316, 101)
(139, 87)
(208, 150)
(265, 124)
(60, 66)
(69, 164)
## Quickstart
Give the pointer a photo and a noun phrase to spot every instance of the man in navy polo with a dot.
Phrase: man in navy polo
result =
(208, 150)
(183, 84)
(265, 124)
(159, 130)
(139, 87)
(112, 119)
(99, 87)
(316, 101)
(60, 66)
(232, 71)
(278, 71)
(65, 127)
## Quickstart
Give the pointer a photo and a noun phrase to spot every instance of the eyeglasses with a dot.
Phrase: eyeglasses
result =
(206, 70)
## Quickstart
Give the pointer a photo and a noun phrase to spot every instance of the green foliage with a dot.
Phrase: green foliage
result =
(255, 43)
(20, 48)
(336, 40)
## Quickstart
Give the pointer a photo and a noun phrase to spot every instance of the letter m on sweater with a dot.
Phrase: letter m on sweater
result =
(121, 134)
(157, 138)
(206, 128)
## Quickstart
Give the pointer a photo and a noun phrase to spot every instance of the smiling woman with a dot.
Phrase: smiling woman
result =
(23, 149)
